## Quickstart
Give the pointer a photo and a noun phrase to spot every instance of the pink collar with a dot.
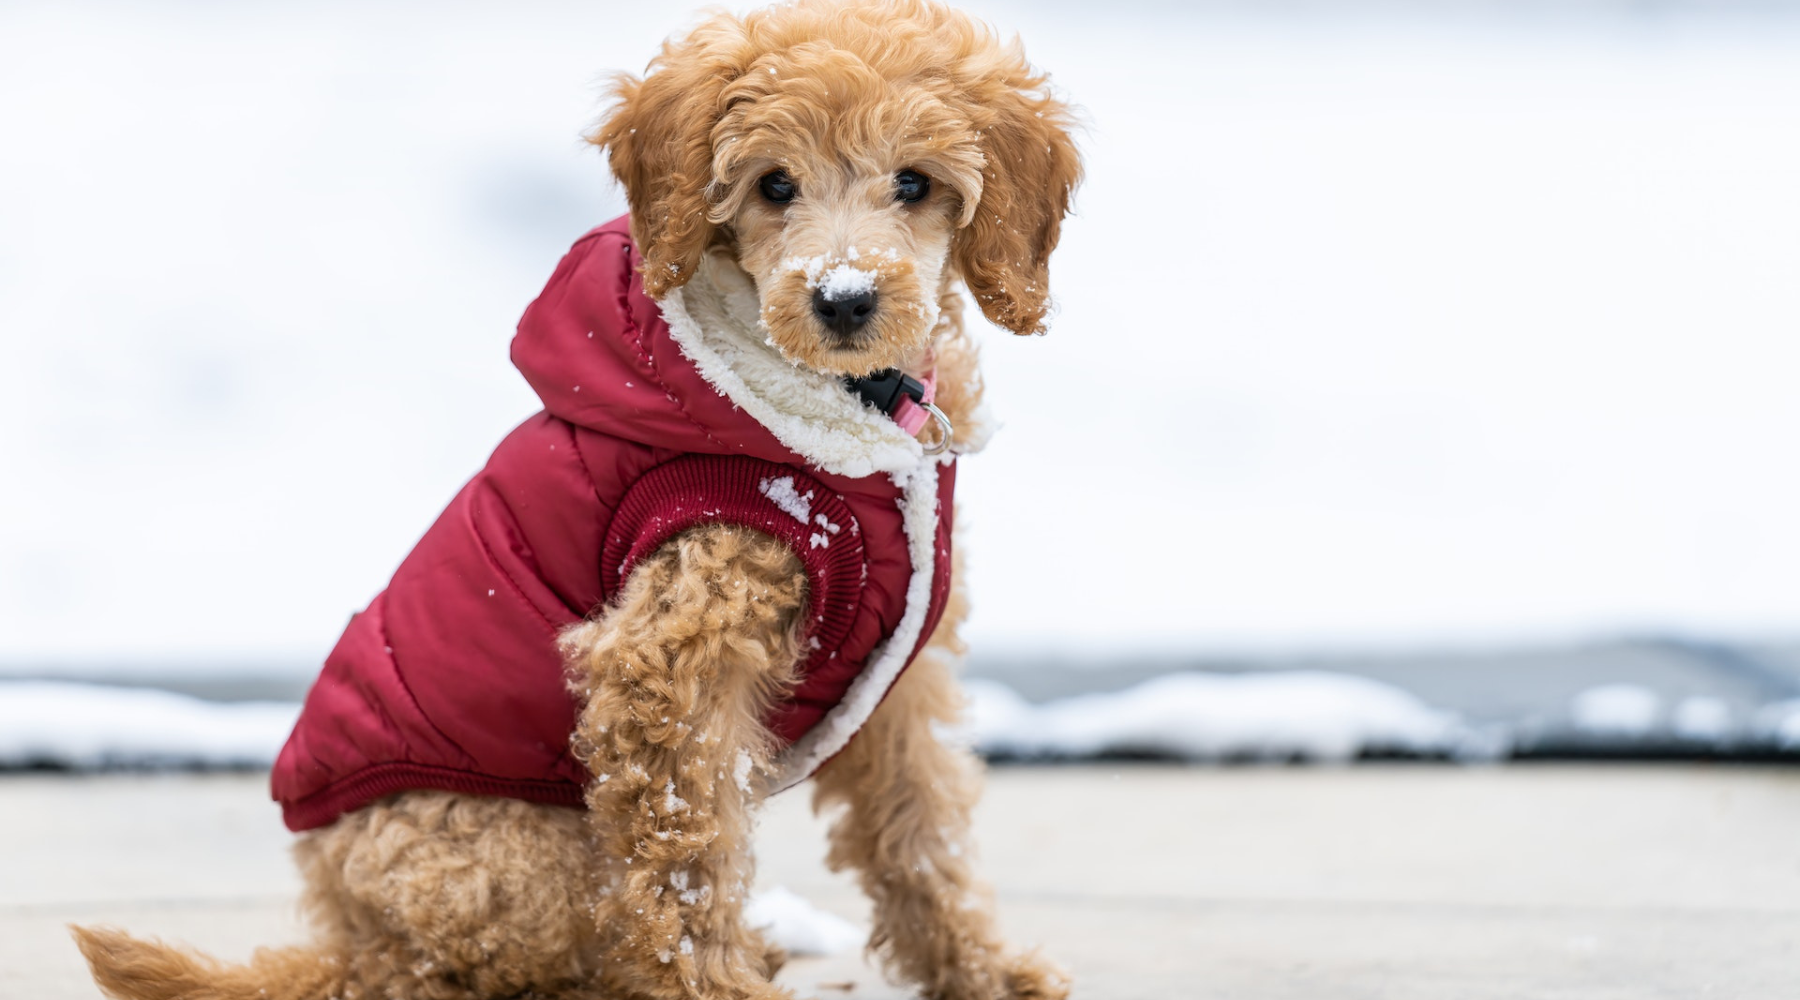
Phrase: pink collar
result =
(906, 400)
(912, 416)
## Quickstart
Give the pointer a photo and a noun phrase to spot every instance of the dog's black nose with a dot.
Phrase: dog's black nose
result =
(844, 315)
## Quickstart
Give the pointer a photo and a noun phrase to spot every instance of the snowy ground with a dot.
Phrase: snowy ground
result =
(1380, 322)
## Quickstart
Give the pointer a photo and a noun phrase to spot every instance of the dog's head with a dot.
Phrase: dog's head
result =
(852, 159)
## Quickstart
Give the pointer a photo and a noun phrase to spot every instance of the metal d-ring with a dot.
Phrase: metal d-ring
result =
(943, 442)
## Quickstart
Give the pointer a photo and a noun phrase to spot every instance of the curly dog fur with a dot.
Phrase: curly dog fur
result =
(439, 896)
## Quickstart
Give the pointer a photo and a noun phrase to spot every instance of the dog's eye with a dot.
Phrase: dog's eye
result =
(911, 186)
(778, 187)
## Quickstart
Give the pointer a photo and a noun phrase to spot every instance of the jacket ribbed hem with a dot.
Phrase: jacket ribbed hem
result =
(359, 789)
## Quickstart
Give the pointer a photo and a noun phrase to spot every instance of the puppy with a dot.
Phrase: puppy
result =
(717, 564)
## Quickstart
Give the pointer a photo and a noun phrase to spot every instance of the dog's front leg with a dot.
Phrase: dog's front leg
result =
(677, 677)
(905, 829)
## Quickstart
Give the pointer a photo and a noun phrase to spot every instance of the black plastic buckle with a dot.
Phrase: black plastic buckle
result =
(886, 388)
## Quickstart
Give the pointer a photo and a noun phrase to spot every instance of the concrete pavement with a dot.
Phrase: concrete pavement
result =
(1393, 882)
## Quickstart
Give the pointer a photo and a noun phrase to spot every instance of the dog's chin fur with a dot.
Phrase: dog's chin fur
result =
(451, 897)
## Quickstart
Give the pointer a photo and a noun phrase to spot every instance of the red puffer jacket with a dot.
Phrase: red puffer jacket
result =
(656, 418)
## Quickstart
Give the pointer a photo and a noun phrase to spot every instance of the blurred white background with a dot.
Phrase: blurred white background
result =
(1381, 325)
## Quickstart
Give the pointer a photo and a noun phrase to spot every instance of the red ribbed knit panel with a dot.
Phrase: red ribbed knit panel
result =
(815, 522)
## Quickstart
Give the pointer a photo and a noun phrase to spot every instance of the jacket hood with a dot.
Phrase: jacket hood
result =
(693, 373)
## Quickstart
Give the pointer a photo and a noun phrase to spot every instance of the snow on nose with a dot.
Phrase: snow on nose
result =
(845, 282)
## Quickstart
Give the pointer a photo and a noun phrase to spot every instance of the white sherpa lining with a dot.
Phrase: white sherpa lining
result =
(919, 516)
(714, 319)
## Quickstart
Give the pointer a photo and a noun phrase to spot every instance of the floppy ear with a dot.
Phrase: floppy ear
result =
(658, 139)
(1003, 252)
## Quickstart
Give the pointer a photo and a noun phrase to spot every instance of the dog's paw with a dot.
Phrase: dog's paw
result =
(772, 957)
(1027, 976)
(1031, 976)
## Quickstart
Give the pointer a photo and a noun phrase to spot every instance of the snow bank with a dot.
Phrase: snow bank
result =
(1623, 715)
(1702, 719)
(1300, 714)
(88, 727)
(1778, 725)
(1294, 715)
(1309, 715)
(800, 927)
(1615, 710)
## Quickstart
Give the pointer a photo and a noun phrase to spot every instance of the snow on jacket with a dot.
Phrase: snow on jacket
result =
(657, 417)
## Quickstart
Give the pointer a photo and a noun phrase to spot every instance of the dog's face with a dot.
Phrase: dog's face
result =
(842, 204)
(852, 159)
(848, 258)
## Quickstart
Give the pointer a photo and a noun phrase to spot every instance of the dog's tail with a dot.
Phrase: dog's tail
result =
(129, 969)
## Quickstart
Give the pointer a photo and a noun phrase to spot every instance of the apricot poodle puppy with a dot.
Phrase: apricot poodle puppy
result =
(531, 766)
